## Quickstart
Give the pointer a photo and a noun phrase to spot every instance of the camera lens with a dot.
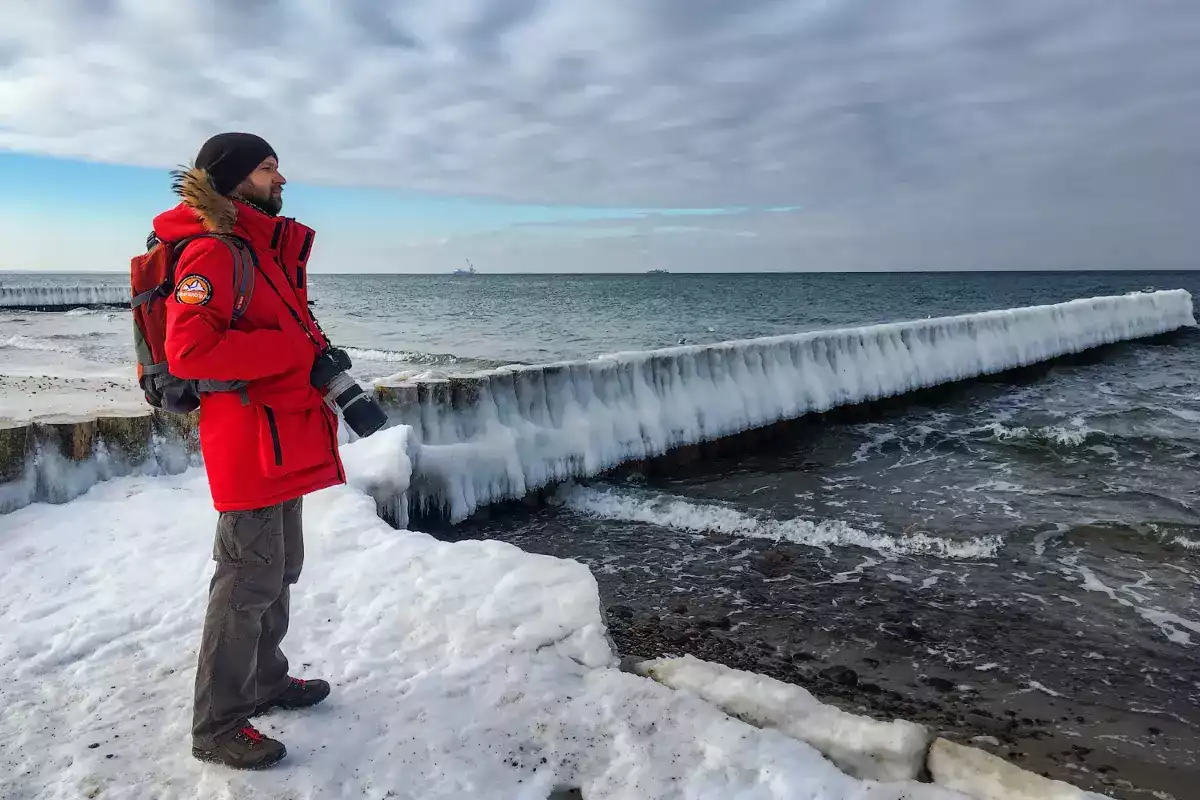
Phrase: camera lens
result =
(360, 410)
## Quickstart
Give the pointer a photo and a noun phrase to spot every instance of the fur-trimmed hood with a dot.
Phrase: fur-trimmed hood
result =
(203, 210)
(217, 212)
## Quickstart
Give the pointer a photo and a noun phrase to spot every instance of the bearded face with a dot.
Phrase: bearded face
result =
(263, 188)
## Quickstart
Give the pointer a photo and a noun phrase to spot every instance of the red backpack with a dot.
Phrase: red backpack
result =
(152, 279)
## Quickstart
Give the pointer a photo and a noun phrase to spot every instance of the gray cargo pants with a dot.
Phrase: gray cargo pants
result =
(259, 555)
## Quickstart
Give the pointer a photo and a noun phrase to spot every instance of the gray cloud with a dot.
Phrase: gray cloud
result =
(929, 130)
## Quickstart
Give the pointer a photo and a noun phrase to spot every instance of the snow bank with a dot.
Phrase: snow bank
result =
(861, 746)
(469, 669)
(502, 434)
(983, 776)
(51, 297)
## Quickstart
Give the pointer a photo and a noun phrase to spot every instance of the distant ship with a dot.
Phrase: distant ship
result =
(657, 272)
(470, 270)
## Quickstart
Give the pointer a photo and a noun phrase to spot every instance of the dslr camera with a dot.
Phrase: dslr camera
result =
(359, 408)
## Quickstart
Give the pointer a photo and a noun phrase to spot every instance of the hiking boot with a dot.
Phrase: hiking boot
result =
(298, 694)
(246, 749)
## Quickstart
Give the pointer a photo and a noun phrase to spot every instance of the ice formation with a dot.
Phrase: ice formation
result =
(467, 669)
(47, 297)
(517, 430)
(48, 476)
(862, 747)
(984, 776)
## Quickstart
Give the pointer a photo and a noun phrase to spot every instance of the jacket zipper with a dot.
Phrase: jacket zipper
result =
(304, 248)
(275, 436)
(333, 446)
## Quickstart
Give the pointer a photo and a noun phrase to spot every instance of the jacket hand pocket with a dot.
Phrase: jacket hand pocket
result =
(291, 441)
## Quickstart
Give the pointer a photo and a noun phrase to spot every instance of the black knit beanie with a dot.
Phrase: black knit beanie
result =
(230, 157)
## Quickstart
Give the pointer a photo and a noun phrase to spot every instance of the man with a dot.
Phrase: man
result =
(265, 446)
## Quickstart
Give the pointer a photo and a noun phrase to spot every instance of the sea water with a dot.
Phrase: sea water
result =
(1027, 545)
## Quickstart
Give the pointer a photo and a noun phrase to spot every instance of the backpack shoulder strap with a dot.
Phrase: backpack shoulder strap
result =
(243, 268)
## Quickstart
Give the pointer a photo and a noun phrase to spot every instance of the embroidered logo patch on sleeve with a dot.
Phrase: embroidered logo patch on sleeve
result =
(193, 290)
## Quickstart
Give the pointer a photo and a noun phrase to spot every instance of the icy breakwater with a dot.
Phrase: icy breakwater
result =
(57, 298)
(502, 434)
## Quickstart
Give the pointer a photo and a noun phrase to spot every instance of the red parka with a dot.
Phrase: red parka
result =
(277, 439)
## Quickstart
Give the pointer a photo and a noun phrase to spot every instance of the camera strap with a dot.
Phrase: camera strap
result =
(282, 299)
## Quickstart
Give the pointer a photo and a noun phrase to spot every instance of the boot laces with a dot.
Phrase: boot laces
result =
(251, 733)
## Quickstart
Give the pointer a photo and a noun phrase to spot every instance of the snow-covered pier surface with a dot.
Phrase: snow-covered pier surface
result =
(468, 669)
(502, 434)
(61, 298)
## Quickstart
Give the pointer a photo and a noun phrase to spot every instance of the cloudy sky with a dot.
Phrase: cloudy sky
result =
(622, 135)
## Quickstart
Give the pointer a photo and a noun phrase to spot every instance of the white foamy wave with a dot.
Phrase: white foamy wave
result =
(1052, 434)
(670, 512)
(406, 375)
(82, 312)
(1186, 543)
(403, 356)
(19, 342)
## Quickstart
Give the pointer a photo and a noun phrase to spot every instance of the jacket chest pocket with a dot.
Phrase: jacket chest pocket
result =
(292, 441)
(292, 244)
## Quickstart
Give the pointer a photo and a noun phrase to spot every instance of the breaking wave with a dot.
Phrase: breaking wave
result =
(402, 356)
(19, 342)
(1073, 436)
(673, 512)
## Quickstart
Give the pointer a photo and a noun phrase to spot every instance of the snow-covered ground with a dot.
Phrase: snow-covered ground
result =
(469, 669)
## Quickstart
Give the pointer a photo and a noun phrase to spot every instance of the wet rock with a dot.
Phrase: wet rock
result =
(620, 612)
(940, 684)
(716, 620)
(679, 608)
(981, 721)
(673, 635)
(843, 676)
(754, 597)
(912, 633)
(772, 564)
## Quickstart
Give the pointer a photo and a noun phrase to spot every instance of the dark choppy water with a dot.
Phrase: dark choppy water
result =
(1019, 560)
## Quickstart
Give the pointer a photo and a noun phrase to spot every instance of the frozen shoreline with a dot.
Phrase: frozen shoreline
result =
(460, 669)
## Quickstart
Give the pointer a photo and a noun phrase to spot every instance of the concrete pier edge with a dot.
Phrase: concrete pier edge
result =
(440, 410)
